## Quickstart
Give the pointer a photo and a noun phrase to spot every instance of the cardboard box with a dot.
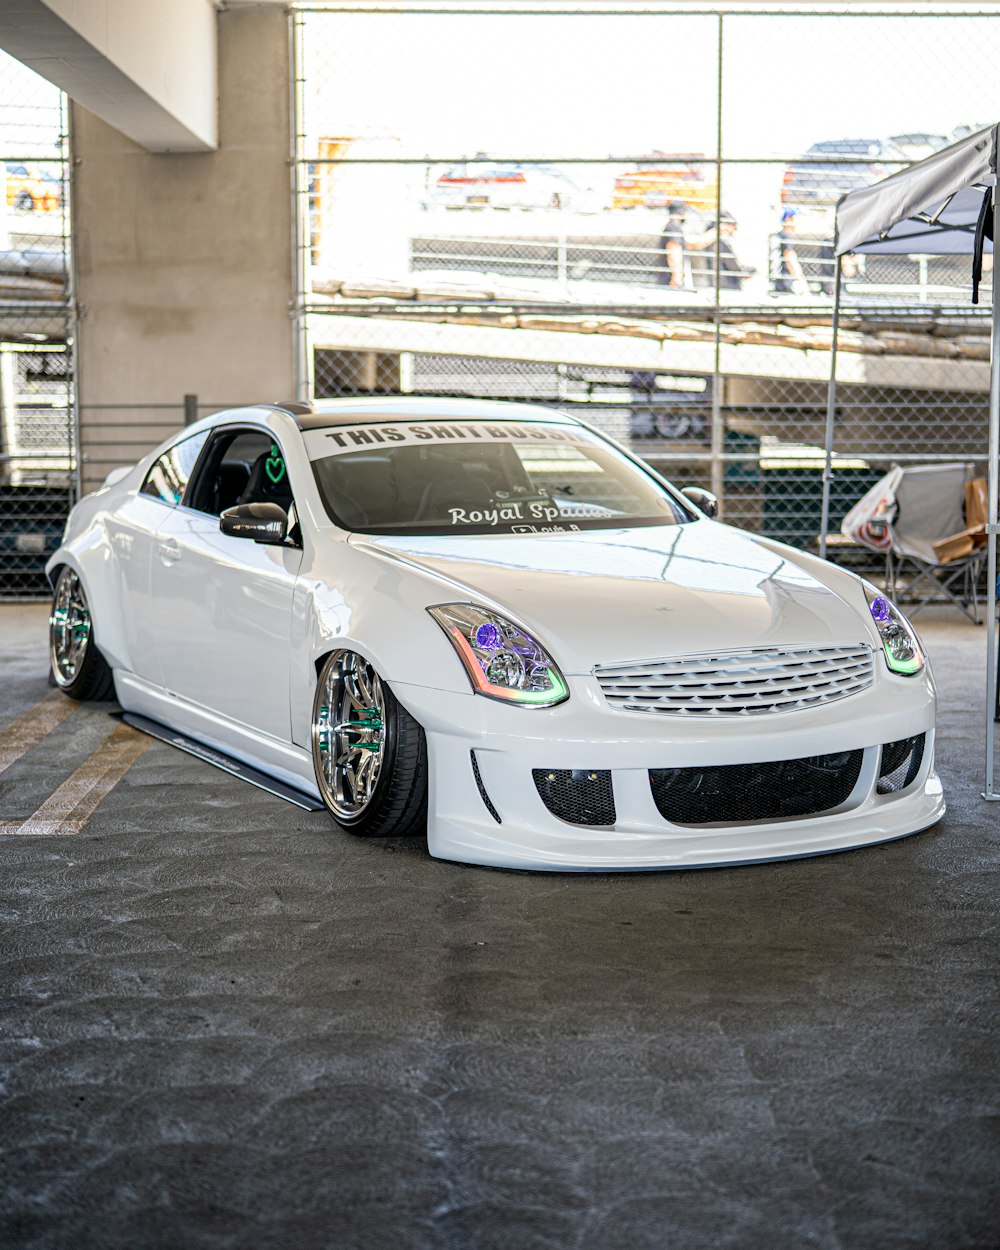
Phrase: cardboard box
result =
(976, 503)
(974, 535)
(959, 545)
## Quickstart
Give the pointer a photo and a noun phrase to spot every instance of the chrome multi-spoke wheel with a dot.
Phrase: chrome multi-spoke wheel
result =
(349, 734)
(69, 628)
(78, 667)
(368, 752)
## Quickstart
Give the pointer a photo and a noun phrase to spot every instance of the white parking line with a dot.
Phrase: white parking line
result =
(75, 801)
(28, 730)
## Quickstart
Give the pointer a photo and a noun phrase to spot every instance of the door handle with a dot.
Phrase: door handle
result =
(169, 551)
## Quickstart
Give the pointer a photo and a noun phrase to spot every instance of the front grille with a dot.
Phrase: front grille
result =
(738, 683)
(581, 796)
(900, 764)
(741, 793)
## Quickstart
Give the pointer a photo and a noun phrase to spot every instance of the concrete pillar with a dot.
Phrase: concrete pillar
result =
(184, 262)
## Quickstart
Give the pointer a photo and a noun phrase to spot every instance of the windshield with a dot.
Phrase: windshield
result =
(478, 478)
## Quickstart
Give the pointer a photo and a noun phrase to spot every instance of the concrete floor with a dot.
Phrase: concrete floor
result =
(225, 1025)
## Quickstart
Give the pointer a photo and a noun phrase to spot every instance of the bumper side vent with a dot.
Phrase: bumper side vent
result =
(580, 796)
(482, 789)
(735, 794)
(900, 764)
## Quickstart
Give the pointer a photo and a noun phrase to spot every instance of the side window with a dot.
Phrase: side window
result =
(241, 466)
(168, 478)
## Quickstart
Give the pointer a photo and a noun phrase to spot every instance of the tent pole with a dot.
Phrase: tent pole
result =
(831, 408)
(991, 518)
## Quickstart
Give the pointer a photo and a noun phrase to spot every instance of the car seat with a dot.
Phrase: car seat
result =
(233, 479)
(460, 489)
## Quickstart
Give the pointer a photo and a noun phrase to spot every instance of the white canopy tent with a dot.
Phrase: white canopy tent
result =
(934, 207)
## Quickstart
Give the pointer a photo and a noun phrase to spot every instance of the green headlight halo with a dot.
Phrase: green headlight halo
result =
(900, 644)
(502, 659)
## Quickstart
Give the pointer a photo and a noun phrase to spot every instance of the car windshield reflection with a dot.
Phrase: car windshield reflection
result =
(472, 478)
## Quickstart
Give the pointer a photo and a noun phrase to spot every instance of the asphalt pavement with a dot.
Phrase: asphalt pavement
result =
(225, 1025)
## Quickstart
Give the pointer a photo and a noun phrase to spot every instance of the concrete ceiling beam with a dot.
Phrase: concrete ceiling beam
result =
(149, 70)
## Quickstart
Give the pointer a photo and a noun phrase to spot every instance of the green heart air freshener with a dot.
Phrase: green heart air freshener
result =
(274, 466)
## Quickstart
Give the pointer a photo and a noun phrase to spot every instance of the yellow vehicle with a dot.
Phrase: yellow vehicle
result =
(28, 189)
(662, 177)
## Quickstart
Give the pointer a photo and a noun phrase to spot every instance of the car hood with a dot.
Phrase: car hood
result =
(606, 596)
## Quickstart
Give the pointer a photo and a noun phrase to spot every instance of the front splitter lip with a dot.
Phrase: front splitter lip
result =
(622, 850)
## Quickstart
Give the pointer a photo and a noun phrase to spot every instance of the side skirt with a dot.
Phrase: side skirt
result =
(221, 761)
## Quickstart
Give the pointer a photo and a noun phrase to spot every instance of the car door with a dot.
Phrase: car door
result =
(132, 529)
(225, 603)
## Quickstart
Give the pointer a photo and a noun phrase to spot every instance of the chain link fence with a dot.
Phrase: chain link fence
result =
(564, 221)
(629, 213)
(37, 439)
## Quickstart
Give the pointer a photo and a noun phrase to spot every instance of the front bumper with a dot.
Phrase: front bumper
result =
(586, 734)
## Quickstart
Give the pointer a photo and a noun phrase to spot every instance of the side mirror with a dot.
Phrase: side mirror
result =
(263, 522)
(703, 499)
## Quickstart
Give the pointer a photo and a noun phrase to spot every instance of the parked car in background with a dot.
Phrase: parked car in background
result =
(506, 185)
(918, 144)
(53, 187)
(29, 189)
(832, 168)
(964, 129)
(662, 177)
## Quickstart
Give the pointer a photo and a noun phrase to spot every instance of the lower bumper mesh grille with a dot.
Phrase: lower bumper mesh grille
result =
(741, 793)
(581, 796)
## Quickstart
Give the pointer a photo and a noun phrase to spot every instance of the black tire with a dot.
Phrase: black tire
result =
(24, 201)
(395, 803)
(76, 665)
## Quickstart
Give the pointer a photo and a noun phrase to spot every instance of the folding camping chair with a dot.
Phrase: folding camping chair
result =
(930, 508)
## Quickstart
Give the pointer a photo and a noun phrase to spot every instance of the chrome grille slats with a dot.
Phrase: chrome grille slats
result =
(738, 683)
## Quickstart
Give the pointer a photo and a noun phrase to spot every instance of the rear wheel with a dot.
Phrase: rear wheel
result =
(369, 754)
(78, 668)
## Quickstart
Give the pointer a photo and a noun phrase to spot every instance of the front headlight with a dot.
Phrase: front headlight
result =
(503, 660)
(900, 643)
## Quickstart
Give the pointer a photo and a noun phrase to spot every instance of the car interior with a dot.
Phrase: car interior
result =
(245, 466)
(414, 485)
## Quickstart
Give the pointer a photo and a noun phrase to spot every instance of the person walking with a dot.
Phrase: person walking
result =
(673, 248)
(731, 272)
(790, 280)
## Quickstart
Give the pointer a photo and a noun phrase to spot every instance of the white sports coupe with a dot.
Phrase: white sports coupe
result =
(490, 622)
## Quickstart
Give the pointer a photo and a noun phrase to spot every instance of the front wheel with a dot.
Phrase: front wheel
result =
(78, 668)
(369, 754)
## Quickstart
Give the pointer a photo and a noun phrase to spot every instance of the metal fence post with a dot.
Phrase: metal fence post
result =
(190, 409)
(993, 473)
(831, 412)
(718, 441)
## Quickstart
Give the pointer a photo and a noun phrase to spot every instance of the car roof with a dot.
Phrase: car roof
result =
(361, 411)
(919, 136)
(854, 147)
